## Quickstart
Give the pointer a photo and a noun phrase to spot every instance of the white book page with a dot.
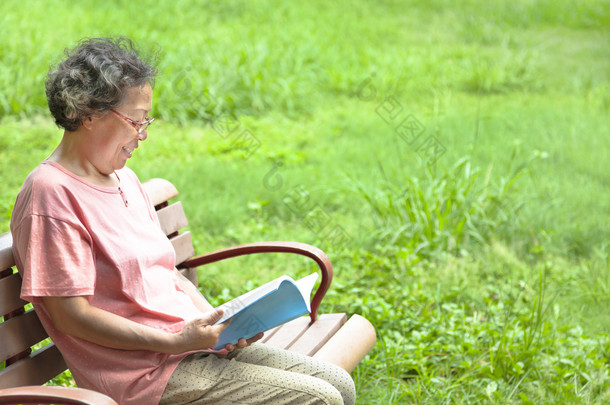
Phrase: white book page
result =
(232, 307)
(305, 285)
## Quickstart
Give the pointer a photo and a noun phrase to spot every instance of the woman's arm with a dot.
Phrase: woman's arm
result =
(76, 317)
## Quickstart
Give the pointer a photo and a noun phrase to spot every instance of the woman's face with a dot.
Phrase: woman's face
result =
(113, 139)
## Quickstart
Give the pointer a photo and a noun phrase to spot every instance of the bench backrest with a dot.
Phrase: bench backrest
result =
(26, 360)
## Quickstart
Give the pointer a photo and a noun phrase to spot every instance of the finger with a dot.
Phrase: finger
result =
(255, 338)
(213, 316)
(223, 326)
(241, 343)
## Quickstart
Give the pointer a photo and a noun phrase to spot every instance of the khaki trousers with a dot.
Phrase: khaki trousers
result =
(258, 374)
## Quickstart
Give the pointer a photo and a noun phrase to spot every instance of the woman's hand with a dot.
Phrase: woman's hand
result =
(243, 343)
(200, 333)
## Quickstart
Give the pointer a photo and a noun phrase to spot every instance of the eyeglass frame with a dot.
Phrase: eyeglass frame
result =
(139, 126)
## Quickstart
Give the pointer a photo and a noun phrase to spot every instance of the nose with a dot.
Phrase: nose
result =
(142, 135)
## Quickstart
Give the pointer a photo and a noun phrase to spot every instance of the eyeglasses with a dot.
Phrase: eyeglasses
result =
(138, 125)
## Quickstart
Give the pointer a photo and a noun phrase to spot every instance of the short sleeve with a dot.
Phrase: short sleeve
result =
(55, 258)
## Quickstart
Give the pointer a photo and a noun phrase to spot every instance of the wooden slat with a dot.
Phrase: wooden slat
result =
(50, 394)
(159, 190)
(36, 369)
(350, 344)
(172, 218)
(10, 288)
(6, 251)
(288, 333)
(270, 333)
(183, 245)
(20, 333)
(318, 334)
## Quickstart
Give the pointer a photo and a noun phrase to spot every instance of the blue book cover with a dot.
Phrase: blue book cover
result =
(265, 307)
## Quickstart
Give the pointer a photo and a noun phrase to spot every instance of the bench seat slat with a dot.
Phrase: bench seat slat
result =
(36, 369)
(288, 333)
(10, 288)
(20, 333)
(350, 344)
(270, 333)
(317, 334)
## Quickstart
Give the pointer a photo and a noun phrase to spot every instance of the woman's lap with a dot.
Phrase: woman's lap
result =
(258, 374)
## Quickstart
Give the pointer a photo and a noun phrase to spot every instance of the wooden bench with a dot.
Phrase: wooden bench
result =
(330, 336)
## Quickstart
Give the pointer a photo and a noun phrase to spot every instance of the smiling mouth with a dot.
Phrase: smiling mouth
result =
(128, 151)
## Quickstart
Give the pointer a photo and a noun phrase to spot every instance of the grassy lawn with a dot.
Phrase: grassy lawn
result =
(451, 158)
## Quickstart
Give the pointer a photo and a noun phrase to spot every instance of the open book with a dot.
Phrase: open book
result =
(265, 307)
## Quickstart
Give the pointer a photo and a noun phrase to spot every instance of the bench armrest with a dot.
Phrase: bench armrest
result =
(275, 247)
(53, 395)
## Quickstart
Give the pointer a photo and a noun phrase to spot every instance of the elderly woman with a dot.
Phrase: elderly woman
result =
(100, 272)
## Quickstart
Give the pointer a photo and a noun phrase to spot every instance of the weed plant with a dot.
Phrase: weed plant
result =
(434, 215)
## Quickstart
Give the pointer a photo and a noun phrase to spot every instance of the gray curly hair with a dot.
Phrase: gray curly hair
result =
(94, 78)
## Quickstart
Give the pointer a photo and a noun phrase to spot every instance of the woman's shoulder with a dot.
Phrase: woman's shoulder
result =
(46, 178)
(39, 188)
(51, 190)
(42, 177)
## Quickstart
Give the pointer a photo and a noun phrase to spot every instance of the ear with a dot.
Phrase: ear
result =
(88, 123)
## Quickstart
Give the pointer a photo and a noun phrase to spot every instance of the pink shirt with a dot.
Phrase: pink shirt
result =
(74, 238)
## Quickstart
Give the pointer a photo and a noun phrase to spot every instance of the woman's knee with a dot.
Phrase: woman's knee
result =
(342, 381)
(326, 393)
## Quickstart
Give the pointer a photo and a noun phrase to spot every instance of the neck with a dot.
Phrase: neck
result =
(70, 154)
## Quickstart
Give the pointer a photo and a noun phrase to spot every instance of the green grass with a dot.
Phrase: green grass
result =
(484, 269)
